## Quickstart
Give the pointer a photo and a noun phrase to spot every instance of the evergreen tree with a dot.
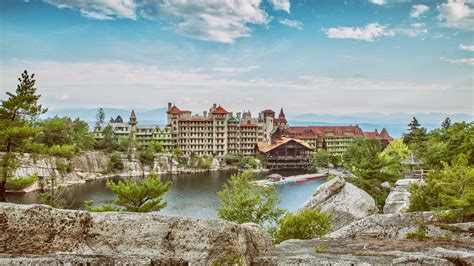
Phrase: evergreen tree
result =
(243, 202)
(144, 196)
(112, 120)
(100, 118)
(446, 123)
(118, 119)
(17, 115)
(414, 124)
(320, 159)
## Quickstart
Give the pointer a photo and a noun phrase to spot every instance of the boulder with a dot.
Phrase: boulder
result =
(393, 226)
(37, 234)
(399, 198)
(344, 201)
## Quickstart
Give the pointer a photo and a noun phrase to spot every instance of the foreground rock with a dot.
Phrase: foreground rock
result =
(399, 198)
(38, 234)
(381, 239)
(344, 201)
(368, 251)
(399, 225)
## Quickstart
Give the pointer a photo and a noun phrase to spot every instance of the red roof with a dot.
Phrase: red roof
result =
(336, 130)
(384, 134)
(195, 119)
(176, 111)
(268, 111)
(248, 125)
(220, 111)
(371, 135)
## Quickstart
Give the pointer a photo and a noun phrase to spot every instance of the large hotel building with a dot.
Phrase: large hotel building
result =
(218, 132)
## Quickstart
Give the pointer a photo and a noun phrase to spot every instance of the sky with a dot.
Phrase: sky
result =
(319, 56)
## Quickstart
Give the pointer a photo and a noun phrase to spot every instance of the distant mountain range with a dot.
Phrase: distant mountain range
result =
(395, 123)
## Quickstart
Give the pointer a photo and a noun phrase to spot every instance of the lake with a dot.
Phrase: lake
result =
(191, 195)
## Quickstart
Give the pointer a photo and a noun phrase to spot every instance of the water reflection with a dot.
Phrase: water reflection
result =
(191, 194)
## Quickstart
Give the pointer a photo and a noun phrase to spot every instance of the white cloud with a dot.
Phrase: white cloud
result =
(368, 33)
(378, 2)
(412, 31)
(281, 5)
(235, 70)
(457, 14)
(291, 23)
(90, 84)
(418, 10)
(209, 20)
(99, 9)
(467, 47)
(462, 61)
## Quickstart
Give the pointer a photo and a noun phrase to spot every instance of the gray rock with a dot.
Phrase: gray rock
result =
(394, 225)
(39, 233)
(344, 201)
(399, 198)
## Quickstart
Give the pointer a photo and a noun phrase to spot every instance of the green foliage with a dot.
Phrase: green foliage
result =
(416, 235)
(115, 162)
(242, 202)
(364, 160)
(321, 159)
(55, 131)
(88, 205)
(205, 162)
(64, 166)
(450, 190)
(393, 155)
(147, 155)
(232, 159)
(63, 151)
(81, 135)
(21, 182)
(144, 196)
(320, 250)
(248, 162)
(307, 224)
(18, 114)
(100, 118)
(55, 195)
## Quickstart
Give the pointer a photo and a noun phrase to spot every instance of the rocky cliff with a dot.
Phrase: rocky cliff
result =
(344, 201)
(94, 165)
(39, 234)
(399, 198)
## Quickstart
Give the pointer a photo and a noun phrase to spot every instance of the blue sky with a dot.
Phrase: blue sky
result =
(307, 56)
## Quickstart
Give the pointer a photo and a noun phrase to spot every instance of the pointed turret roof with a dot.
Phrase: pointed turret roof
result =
(132, 115)
(384, 134)
(282, 114)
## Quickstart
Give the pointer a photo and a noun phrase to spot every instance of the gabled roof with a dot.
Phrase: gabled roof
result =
(268, 111)
(265, 147)
(336, 130)
(219, 111)
(176, 111)
(384, 134)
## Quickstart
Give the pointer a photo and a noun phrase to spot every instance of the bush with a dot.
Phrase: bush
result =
(307, 224)
(205, 163)
(63, 151)
(232, 159)
(243, 202)
(416, 235)
(64, 166)
(21, 182)
(115, 162)
(248, 162)
(102, 208)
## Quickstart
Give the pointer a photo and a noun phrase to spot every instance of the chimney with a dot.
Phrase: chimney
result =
(376, 131)
(169, 106)
(214, 106)
(204, 113)
(231, 114)
(238, 115)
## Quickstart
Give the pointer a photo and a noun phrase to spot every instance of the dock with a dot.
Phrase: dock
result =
(275, 181)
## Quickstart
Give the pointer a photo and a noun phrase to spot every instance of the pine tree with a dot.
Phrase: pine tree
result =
(414, 124)
(118, 119)
(446, 123)
(112, 120)
(100, 118)
(17, 115)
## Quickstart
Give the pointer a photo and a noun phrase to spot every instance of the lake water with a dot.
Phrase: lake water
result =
(191, 195)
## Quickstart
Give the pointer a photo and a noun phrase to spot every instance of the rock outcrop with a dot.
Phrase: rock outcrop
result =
(368, 251)
(344, 201)
(38, 234)
(399, 198)
(381, 239)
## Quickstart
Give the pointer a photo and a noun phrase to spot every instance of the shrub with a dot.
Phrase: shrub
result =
(243, 202)
(248, 162)
(307, 224)
(416, 235)
(64, 166)
(232, 159)
(115, 162)
(64, 151)
(21, 182)
(205, 163)
(102, 208)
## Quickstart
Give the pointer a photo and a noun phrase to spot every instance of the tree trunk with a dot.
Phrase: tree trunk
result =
(3, 190)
